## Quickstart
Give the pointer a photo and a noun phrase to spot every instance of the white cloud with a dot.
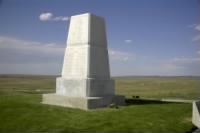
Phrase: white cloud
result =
(29, 57)
(197, 27)
(194, 26)
(50, 17)
(181, 66)
(198, 52)
(25, 46)
(191, 25)
(171, 67)
(156, 66)
(196, 38)
(23, 51)
(184, 60)
(10, 42)
(31, 68)
(128, 41)
(120, 55)
(61, 18)
(46, 16)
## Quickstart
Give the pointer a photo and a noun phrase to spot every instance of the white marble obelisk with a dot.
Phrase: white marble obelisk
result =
(85, 82)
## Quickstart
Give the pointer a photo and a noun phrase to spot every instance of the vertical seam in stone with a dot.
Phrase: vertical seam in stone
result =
(106, 46)
(64, 61)
(89, 30)
(88, 56)
(63, 71)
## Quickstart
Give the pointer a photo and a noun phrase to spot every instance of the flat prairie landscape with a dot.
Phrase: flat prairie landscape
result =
(159, 87)
(21, 109)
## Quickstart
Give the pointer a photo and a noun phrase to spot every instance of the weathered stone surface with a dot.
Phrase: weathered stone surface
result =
(84, 87)
(82, 102)
(86, 55)
(196, 113)
(85, 82)
(87, 29)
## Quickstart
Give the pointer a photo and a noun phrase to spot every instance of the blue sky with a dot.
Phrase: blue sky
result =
(145, 37)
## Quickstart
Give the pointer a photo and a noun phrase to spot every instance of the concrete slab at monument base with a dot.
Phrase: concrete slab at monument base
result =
(196, 113)
(82, 102)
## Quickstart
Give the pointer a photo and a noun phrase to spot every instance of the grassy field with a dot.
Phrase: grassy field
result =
(182, 88)
(21, 110)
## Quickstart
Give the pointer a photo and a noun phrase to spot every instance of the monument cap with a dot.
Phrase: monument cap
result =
(87, 29)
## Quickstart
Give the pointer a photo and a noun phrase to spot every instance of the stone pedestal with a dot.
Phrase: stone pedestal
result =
(84, 87)
(85, 82)
(82, 102)
(196, 113)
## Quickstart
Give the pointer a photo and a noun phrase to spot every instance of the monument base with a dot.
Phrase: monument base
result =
(84, 87)
(196, 113)
(82, 102)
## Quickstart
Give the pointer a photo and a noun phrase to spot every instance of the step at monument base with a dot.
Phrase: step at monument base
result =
(82, 102)
(196, 113)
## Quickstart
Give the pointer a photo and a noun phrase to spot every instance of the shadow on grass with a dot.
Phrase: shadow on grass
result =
(134, 101)
(194, 130)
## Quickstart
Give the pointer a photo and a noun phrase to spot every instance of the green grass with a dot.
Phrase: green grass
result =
(159, 88)
(12, 85)
(26, 113)
(21, 110)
